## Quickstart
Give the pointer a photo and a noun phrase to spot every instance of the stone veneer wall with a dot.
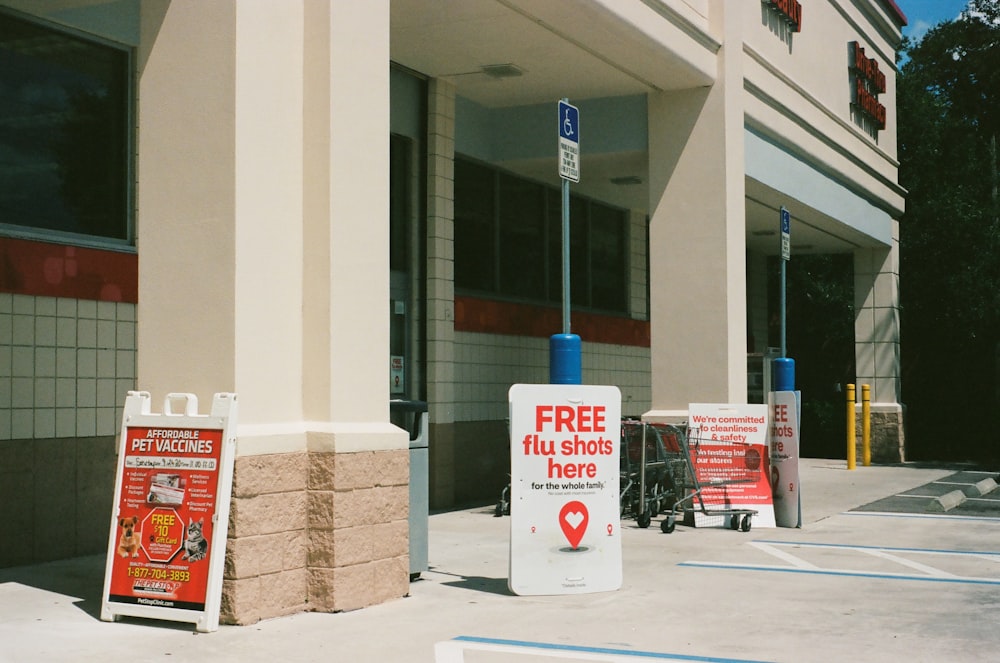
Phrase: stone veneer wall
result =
(321, 532)
(888, 442)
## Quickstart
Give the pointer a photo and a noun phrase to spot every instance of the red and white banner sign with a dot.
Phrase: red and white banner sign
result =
(167, 541)
(785, 457)
(165, 511)
(729, 450)
(565, 534)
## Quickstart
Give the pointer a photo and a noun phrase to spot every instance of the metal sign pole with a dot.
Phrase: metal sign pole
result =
(784, 269)
(565, 359)
(565, 258)
(784, 368)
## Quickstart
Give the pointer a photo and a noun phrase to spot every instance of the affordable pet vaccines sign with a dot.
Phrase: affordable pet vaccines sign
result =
(564, 516)
(165, 551)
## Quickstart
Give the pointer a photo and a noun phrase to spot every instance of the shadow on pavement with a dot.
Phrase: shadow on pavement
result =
(79, 577)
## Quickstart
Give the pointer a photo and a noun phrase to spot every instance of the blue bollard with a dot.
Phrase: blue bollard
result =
(784, 374)
(565, 359)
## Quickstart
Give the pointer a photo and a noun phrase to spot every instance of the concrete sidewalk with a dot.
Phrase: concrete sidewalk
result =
(846, 586)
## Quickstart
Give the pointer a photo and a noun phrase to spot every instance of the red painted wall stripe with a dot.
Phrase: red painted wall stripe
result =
(493, 317)
(43, 269)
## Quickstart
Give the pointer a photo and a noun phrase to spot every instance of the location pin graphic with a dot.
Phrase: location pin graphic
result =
(573, 519)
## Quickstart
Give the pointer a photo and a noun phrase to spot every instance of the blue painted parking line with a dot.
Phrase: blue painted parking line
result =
(847, 546)
(452, 650)
(845, 573)
(892, 554)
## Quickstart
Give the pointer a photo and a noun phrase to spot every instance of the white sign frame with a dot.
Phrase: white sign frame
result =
(565, 516)
(569, 142)
(786, 234)
(222, 417)
(785, 408)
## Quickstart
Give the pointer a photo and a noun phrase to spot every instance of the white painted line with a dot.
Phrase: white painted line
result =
(929, 570)
(895, 555)
(893, 514)
(984, 487)
(780, 554)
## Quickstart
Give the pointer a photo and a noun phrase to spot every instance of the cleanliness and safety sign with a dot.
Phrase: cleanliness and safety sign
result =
(564, 505)
(729, 450)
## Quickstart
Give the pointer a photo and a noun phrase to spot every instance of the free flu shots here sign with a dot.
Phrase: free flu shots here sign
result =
(565, 520)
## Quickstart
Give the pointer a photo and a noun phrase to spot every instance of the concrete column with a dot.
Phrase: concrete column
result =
(441, 289)
(697, 235)
(876, 343)
(220, 243)
(358, 462)
(263, 232)
(186, 193)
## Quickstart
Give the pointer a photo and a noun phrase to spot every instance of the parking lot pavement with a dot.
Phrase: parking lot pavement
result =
(967, 492)
(847, 585)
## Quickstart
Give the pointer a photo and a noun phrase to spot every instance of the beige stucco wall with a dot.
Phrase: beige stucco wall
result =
(698, 231)
(798, 92)
(263, 222)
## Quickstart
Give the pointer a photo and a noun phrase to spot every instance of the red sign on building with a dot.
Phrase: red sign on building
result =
(869, 82)
(791, 10)
(172, 492)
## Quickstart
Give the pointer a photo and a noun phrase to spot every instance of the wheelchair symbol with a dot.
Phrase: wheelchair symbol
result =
(567, 124)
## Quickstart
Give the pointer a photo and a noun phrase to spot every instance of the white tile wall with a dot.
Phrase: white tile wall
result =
(488, 364)
(65, 366)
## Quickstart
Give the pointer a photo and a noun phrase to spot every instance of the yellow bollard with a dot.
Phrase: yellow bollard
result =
(851, 436)
(866, 425)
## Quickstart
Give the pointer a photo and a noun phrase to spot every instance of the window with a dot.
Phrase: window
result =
(522, 237)
(399, 202)
(508, 241)
(64, 134)
(475, 227)
(607, 257)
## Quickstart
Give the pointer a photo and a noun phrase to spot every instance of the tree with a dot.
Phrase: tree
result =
(820, 294)
(948, 100)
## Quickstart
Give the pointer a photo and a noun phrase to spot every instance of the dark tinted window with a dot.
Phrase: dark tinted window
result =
(399, 202)
(508, 241)
(475, 227)
(63, 132)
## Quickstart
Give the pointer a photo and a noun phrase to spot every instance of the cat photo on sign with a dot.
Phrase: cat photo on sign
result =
(195, 543)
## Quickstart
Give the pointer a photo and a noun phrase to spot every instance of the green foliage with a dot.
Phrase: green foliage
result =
(948, 101)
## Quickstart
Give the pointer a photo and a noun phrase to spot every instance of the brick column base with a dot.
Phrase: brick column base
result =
(887, 438)
(319, 532)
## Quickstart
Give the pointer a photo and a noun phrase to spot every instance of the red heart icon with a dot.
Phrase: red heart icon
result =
(573, 519)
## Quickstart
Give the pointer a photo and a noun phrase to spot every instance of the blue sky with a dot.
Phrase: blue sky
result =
(921, 15)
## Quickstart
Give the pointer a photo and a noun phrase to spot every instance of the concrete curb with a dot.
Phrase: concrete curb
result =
(980, 488)
(946, 502)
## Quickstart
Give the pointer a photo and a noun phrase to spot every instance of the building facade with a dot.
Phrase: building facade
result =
(289, 192)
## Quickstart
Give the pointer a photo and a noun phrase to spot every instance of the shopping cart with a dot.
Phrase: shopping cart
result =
(693, 476)
(645, 477)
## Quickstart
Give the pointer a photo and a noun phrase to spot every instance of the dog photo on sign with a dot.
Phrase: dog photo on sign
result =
(128, 542)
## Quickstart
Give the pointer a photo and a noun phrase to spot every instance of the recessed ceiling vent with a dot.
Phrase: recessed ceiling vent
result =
(502, 70)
